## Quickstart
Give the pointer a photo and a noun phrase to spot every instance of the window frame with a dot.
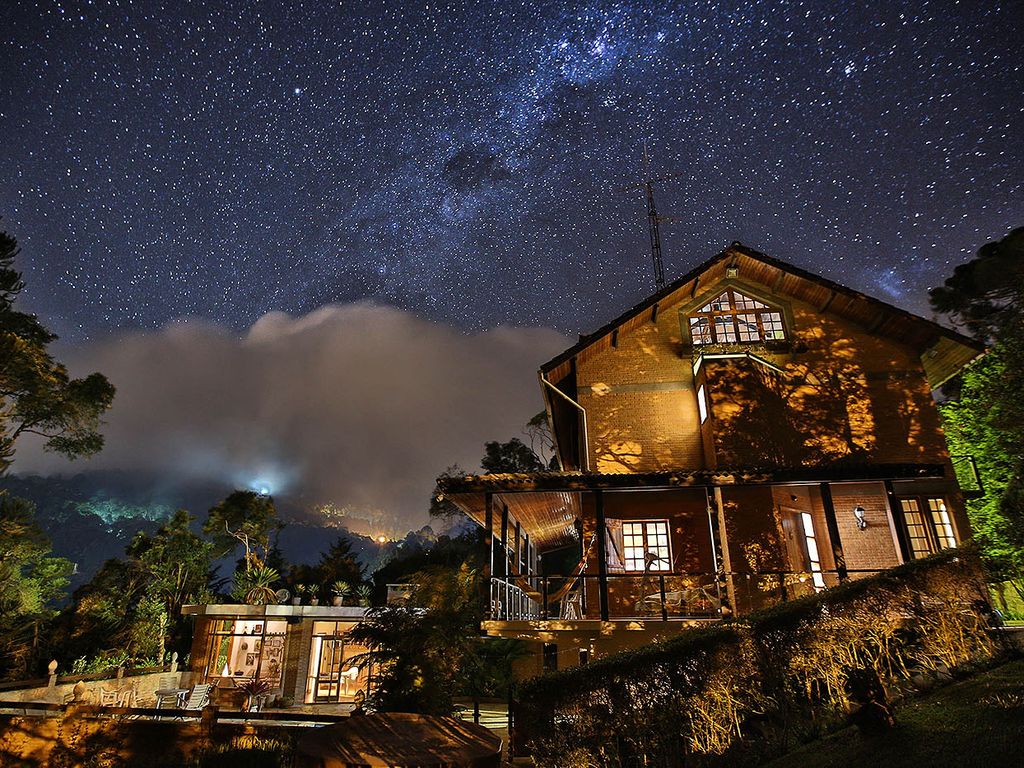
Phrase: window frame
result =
(663, 563)
(733, 321)
(926, 530)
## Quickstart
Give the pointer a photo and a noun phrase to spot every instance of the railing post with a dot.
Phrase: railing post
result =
(602, 558)
(664, 604)
(544, 597)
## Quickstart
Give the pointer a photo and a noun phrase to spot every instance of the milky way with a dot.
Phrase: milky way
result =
(224, 160)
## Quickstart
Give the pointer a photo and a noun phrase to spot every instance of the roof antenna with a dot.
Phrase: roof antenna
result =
(653, 219)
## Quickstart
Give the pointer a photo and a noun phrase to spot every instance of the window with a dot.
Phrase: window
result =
(245, 649)
(812, 551)
(735, 317)
(702, 403)
(645, 546)
(332, 675)
(943, 525)
(929, 533)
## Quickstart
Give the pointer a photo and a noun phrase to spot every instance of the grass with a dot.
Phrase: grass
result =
(974, 723)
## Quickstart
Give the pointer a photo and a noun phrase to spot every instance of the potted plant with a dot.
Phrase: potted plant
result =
(363, 593)
(340, 589)
(300, 589)
(256, 693)
(254, 584)
(313, 590)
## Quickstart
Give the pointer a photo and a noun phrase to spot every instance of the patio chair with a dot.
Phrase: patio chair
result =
(199, 697)
(109, 698)
(572, 605)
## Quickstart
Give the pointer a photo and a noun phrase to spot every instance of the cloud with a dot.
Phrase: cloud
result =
(356, 406)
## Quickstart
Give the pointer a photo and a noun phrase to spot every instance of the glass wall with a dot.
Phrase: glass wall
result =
(335, 673)
(246, 649)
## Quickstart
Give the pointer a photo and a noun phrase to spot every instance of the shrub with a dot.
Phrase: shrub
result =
(738, 691)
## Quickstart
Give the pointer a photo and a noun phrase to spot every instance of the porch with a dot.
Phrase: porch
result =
(572, 550)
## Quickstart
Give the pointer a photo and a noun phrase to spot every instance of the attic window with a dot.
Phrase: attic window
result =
(734, 317)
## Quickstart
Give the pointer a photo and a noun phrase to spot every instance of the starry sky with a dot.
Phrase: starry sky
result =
(465, 162)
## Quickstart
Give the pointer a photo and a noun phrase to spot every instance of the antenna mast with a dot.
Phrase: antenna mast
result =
(653, 219)
(652, 225)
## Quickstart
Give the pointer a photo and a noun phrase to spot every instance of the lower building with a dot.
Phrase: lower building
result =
(302, 651)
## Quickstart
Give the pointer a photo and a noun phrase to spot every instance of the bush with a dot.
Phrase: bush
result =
(737, 692)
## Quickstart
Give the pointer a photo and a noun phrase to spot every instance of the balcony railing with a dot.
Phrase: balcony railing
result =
(670, 596)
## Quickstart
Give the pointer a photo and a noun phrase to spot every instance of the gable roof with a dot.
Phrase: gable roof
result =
(944, 352)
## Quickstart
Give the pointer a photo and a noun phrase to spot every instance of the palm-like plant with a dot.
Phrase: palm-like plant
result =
(253, 585)
(341, 589)
(364, 593)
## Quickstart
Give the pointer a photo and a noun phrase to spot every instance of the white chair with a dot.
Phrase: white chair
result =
(109, 698)
(199, 697)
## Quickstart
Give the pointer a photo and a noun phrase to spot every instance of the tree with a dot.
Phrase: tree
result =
(513, 456)
(177, 563)
(37, 396)
(986, 417)
(247, 518)
(31, 580)
(419, 651)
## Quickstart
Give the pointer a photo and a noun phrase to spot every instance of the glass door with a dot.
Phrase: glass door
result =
(326, 677)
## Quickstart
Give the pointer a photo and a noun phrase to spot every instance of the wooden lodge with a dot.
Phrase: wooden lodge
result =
(748, 434)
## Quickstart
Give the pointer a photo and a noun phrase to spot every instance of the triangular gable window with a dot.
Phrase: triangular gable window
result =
(734, 317)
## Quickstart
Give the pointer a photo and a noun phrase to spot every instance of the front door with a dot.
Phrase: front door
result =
(802, 544)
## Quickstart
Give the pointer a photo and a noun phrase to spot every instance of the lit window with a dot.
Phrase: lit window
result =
(725, 330)
(700, 330)
(943, 525)
(718, 321)
(645, 546)
(917, 528)
(929, 527)
(812, 551)
(702, 403)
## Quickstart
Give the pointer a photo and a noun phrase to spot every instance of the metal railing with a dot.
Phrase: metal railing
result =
(664, 596)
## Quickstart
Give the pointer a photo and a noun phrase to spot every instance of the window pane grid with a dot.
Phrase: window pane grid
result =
(917, 530)
(645, 546)
(943, 525)
(716, 321)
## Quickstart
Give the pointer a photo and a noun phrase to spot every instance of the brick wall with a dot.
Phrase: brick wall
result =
(874, 547)
(847, 391)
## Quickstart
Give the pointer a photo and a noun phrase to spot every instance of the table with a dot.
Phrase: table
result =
(179, 694)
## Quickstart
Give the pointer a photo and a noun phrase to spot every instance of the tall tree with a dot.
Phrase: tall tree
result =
(247, 519)
(37, 395)
(177, 563)
(986, 416)
(31, 581)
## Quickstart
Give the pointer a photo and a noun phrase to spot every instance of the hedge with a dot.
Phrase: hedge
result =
(739, 691)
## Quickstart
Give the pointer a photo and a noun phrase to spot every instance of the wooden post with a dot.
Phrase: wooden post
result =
(602, 555)
(661, 590)
(489, 543)
(898, 523)
(833, 531)
(718, 525)
(505, 591)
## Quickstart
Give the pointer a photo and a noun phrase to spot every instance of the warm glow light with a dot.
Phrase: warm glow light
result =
(382, 539)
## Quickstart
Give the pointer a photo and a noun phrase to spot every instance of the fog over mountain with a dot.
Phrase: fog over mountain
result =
(350, 411)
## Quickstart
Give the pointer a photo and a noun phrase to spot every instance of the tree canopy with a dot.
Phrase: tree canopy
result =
(37, 395)
(986, 417)
(244, 518)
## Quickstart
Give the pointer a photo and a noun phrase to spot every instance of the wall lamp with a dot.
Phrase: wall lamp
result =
(858, 513)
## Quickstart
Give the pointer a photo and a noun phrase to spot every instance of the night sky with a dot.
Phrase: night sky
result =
(464, 162)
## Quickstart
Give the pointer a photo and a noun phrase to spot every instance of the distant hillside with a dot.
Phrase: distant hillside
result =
(90, 517)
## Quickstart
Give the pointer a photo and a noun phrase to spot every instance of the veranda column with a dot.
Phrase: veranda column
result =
(896, 519)
(723, 538)
(833, 531)
(602, 560)
(506, 591)
(489, 544)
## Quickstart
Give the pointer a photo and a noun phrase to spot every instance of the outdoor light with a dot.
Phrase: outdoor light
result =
(732, 271)
(858, 512)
